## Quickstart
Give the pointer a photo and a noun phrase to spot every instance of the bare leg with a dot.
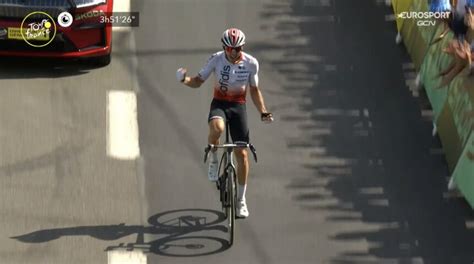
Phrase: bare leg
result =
(216, 128)
(242, 175)
(242, 165)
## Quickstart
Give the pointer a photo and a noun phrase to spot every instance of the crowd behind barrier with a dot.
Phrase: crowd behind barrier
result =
(442, 53)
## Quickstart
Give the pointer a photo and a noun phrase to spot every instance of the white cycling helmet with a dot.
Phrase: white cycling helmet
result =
(233, 37)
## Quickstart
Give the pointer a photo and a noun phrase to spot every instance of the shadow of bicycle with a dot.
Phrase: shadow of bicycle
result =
(181, 233)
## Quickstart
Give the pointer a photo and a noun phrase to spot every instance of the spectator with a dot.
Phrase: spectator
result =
(458, 26)
(461, 52)
(469, 21)
(441, 6)
(462, 24)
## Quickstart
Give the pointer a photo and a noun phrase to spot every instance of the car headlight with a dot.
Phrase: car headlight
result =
(3, 33)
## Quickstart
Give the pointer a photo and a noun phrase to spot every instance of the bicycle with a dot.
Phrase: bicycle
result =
(227, 181)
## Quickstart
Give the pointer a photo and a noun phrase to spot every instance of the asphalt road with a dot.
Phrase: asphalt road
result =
(347, 173)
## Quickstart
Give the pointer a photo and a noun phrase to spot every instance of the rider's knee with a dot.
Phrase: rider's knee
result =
(217, 127)
(241, 153)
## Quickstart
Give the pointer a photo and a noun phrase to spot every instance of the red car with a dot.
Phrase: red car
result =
(87, 37)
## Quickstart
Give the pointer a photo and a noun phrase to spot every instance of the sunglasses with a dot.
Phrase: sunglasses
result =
(229, 49)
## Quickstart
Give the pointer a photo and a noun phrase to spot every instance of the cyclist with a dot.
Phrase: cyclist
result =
(235, 70)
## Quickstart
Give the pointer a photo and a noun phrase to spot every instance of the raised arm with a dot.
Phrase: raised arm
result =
(193, 82)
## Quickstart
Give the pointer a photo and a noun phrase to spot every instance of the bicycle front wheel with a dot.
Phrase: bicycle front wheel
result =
(221, 171)
(230, 209)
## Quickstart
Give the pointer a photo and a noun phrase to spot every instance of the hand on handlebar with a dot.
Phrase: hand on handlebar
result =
(267, 117)
(210, 147)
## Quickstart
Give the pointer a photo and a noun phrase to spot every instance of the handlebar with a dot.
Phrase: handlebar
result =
(232, 146)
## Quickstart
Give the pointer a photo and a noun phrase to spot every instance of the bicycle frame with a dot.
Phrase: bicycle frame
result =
(229, 152)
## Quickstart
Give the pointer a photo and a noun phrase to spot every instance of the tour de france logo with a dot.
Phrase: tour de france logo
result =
(38, 29)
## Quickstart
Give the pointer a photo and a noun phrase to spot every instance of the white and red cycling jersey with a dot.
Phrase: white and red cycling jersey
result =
(232, 80)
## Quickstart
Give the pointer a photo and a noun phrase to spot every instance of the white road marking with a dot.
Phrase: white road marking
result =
(122, 125)
(126, 257)
(122, 6)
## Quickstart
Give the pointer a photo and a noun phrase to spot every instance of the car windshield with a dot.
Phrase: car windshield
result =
(20, 8)
(88, 2)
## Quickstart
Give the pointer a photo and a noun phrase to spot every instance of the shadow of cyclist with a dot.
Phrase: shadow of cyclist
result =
(184, 233)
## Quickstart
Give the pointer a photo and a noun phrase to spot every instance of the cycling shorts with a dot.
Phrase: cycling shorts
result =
(236, 113)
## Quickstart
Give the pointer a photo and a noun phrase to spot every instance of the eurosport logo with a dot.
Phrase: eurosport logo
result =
(424, 19)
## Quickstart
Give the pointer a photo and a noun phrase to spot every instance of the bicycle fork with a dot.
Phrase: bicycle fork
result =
(223, 181)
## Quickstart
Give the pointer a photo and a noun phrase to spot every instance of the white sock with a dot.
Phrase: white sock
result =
(214, 156)
(241, 191)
